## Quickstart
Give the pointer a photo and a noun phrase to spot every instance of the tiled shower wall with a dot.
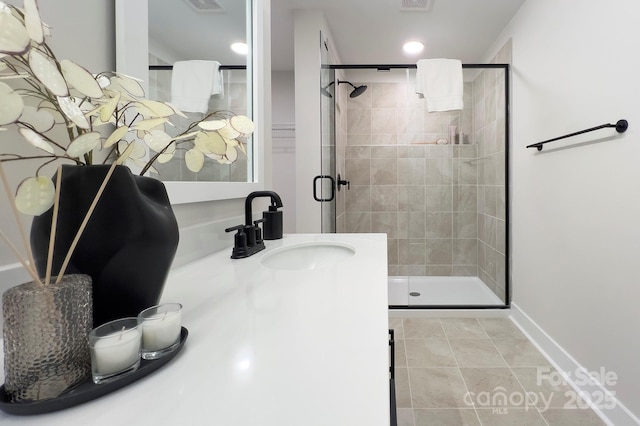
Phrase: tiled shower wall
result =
(422, 195)
(341, 147)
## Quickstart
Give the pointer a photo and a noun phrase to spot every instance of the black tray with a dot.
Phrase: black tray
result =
(87, 390)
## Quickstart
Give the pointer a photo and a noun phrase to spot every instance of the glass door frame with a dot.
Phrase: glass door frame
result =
(325, 181)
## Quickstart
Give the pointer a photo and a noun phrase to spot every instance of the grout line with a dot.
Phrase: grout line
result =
(406, 362)
(464, 382)
(514, 374)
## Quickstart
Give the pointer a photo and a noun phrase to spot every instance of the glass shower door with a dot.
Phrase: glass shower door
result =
(325, 182)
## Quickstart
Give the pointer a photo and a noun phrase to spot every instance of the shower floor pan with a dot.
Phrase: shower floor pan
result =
(411, 291)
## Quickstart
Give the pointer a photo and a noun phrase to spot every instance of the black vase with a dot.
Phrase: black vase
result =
(127, 246)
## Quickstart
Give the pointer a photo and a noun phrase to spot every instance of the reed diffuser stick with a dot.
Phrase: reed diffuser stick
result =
(30, 266)
(54, 226)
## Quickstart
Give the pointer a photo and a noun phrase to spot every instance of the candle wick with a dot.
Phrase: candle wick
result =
(164, 316)
(121, 333)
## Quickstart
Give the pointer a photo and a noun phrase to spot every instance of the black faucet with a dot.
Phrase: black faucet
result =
(272, 226)
(249, 238)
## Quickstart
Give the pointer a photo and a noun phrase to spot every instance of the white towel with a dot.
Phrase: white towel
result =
(193, 83)
(440, 82)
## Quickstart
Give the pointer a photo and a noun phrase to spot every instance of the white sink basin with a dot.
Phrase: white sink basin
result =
(312, 255)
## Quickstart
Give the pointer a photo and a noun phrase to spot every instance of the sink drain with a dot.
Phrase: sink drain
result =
(414, 294)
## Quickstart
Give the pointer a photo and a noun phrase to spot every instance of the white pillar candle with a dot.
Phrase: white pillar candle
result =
(159, 331)
(116, 352)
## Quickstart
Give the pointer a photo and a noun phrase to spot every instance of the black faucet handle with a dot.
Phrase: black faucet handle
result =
(240, 247)
(239, 228)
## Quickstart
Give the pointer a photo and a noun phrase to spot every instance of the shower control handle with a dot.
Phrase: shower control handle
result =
(342, 182)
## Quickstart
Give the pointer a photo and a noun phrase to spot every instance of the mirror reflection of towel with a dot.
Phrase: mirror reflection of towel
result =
(440, 82)
(193, 83)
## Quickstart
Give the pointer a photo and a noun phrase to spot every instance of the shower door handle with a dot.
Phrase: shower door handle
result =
(315, 187)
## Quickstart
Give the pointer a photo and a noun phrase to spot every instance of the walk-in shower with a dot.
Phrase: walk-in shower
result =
(435, 183)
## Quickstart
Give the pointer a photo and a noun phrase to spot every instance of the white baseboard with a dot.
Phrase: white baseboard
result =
(448, 313)
(618, 415)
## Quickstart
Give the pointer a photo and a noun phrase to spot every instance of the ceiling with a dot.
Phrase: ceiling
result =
(364, 31)
(179, 32)
(373, 31)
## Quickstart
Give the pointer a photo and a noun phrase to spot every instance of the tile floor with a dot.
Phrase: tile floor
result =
(467, 371)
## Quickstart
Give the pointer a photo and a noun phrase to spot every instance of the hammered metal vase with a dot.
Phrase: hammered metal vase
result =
(46, 350)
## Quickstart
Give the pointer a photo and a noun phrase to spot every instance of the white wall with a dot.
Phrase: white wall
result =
(283, 142)
(576, 205)
(307, 26)
(283, 97)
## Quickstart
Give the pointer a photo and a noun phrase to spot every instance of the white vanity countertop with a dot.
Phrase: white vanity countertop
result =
(266, 347)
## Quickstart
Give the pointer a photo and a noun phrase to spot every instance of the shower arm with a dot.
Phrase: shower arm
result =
(348, 82)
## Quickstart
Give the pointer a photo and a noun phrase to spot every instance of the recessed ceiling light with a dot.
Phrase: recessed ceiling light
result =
(240, 48)
(413, 47)
(206, 6)
(416, 5)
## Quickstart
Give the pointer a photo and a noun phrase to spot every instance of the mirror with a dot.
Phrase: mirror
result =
(213, 26)
(151, 35)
